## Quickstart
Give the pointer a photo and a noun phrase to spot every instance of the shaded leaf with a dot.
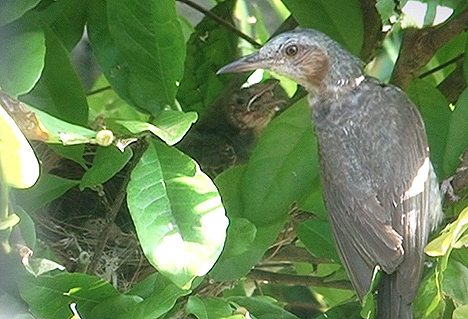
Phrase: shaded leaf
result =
(48, 188)
(107, 162)
(281, 167)
(436, 113)
(148, 35)
(23, 49)
(430, 302)
(116, 307)
(349, 310)
(209, 48)
(316, 235)
(59, 90)
(341, 19)
(208, 308)
(457, 139)
(11, 10)
(163, 297)
(50, 296)
(177, 213)
(455, 282)
(262, 308)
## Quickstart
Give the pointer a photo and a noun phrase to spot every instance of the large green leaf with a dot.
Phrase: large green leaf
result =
(22, 47)
(209, 48)
(11, 10)
(455, 282)
(281, 168)
(177, 213)
(457, 139)
(59, 91)
(50, 296)
(340, 19)
(148, 35)
(258, 196)
(436, 113)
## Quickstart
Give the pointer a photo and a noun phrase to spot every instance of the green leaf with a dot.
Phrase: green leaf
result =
(118, 306)
(455, 282)
(11, 10)
(281, 167)
(460, 312)
(457, 139)
(341, 19)
(170, 126)
(148, 35)
(208, 308)
(262, 308)
(316, 235)
(23, 49)
(59, 91)
(107, 162)
(312, 199)
(386, 9)
(443, 243)
(177, 213)
(430, 303)
(18, 164)
(160, 301)
(436, 114)
(60, 131)
(209, 48)
(50, 296)
(48, 188)
(349, 310)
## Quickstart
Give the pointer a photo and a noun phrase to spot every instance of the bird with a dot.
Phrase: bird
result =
(380, 187)
(230, 127)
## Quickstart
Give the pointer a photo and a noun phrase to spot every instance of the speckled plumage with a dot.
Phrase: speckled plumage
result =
(379, 186)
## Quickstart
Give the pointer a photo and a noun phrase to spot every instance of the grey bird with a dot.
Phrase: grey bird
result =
(379, 185)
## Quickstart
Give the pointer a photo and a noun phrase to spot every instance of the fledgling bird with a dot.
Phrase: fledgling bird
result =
(229, 129)
(380, 188)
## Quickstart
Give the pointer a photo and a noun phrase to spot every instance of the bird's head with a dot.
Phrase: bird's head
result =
(306, 56)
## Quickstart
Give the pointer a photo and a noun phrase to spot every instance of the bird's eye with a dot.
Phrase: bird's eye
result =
(291, 50)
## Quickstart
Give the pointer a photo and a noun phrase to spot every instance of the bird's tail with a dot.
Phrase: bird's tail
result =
(390, 303)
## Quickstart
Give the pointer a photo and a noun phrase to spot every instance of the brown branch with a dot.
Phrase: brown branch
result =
(454, 84)
(295, 254)
(112, 210)
(297, 280)
(420, 45)
(222, 22)
(373, 34)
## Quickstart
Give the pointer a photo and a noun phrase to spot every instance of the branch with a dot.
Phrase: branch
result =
(297, 280)
(224, 23)
(373, 34)
(295, 254)
(112, 210)
(454, 84)
(420, 45)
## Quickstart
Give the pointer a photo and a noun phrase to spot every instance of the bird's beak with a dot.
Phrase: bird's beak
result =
(247, 63)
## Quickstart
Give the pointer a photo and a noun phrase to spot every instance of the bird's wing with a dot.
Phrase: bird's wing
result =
(372, 146)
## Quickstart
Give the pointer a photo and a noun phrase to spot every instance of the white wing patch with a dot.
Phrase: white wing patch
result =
(417, 186)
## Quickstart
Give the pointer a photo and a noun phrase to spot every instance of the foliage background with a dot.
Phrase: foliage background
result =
(159, 66)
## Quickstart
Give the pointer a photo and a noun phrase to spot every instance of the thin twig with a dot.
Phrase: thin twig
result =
(112, 210)
(442, 66)
(222, 22)
(297, 280)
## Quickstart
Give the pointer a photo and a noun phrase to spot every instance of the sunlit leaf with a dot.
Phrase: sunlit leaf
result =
(177, 213)
(18, 163)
